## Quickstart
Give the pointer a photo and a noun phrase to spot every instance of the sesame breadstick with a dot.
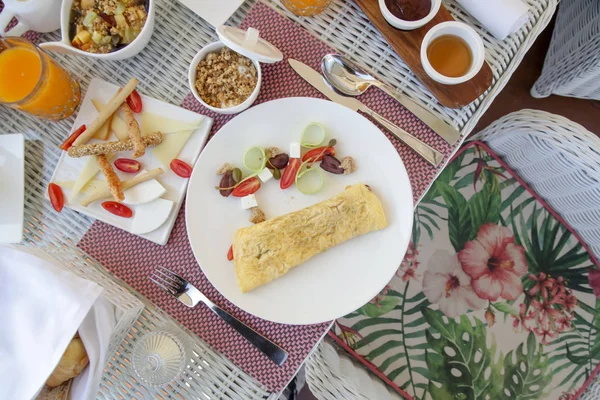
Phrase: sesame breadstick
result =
(94, 149)
(113, 181)
(133, 128)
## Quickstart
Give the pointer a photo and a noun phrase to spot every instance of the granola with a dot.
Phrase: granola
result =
(225, 78)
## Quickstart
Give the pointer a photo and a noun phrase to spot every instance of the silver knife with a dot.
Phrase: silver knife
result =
(439, 126)
(318, 82)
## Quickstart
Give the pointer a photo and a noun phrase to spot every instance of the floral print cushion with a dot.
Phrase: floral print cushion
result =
(492, 301)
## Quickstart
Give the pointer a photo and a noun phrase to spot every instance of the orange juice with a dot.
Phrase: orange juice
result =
(306, 7)
(31, 81)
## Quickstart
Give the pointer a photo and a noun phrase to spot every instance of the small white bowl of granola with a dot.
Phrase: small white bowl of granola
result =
(225, 76)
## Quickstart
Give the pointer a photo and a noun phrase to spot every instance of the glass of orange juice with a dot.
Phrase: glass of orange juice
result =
(33, 82)
(306, 8)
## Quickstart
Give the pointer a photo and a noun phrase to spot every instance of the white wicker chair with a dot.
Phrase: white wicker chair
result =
(560, 161)
(572, 65)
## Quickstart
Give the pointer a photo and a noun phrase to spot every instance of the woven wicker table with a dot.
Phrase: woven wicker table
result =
(162, 68)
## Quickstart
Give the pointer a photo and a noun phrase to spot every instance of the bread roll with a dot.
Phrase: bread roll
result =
(72, 362)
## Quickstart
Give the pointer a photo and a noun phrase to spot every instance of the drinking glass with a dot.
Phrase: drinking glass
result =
(33, 82)
(306, 8)
(159, 357)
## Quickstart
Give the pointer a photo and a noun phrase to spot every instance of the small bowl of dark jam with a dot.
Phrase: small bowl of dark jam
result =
(409, 14)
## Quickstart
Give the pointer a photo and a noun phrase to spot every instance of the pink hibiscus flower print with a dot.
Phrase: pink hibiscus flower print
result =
(446, 284)
(494, 263)
(594, 281)
(408, 267)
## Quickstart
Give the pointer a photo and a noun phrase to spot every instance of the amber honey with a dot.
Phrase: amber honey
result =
(450, 56)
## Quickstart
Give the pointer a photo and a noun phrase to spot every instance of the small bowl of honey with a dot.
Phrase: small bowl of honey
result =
(452, 53)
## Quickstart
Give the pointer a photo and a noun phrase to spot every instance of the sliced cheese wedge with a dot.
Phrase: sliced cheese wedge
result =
(119, 127)
(104, 132)
(170, 147)
(91, 187)
(144, 192)
(149, 217)
(89, 171)
(156, 123)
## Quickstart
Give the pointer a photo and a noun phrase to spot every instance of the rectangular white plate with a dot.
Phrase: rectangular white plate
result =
(68, 168)
(215, 12)
(12, 185)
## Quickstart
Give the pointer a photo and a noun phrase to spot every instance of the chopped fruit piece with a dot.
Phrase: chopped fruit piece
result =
(134, 101)
(118, 209)
(181, 169)
(249, 186)
(289, 173)
(56, 196)
(71, 139)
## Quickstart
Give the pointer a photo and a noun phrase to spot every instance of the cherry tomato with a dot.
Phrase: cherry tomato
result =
(56, 196)
(289, 173)
(317, 154)
(230, 253)
(118, 209)
(69, 141)
(128, 165)
(134, 101)
(181, 169)
(246, 187)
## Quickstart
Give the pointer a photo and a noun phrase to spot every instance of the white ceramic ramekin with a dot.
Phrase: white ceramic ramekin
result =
(409, 25)
(466, 33)
(211, 48)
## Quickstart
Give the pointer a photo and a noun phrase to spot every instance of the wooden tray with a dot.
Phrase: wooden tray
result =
(408, 46)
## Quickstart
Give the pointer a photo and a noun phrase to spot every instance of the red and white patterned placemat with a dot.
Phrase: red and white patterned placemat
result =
(132, 258)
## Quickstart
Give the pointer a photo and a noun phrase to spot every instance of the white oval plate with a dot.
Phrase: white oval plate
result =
(333, 283)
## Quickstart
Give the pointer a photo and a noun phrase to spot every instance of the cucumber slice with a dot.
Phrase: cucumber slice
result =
(255, 159)
(312, 135)
(309, 180)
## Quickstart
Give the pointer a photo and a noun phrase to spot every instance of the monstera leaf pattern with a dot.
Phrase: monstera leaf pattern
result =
(459, 358)
(492, 300)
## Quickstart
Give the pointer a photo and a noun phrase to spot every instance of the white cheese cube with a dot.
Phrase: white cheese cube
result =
(265, 175)
(295, 150)
(249, 202)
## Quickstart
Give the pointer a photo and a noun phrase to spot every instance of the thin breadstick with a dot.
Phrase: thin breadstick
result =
(146, 176)
(133, 129)
(94, 149)
(109, 110)
(112, 179)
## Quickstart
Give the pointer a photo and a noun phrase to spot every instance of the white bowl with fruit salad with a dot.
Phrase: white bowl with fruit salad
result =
(104, 29)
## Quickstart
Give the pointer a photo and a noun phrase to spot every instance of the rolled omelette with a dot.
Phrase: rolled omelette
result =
(268, 250)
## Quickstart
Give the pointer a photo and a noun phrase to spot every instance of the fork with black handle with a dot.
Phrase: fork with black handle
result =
(185, 292)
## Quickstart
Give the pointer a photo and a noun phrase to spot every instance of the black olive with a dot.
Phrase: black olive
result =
(280, 161)
(227, 181)
(332, 164)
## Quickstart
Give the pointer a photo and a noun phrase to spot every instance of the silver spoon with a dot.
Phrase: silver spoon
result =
(349, 79)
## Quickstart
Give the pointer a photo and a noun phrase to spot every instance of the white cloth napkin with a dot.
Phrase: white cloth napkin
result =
(215, 12)
(95, 332)
(42, 306)
(499, 17)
